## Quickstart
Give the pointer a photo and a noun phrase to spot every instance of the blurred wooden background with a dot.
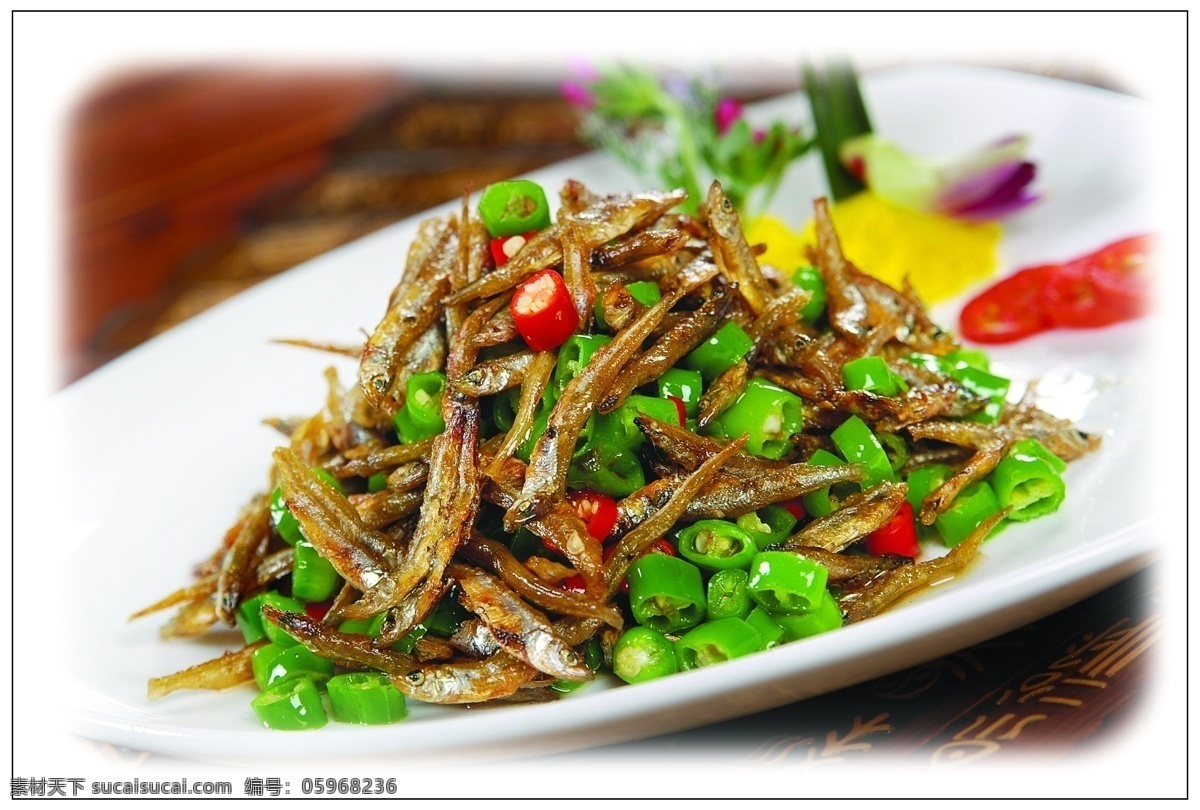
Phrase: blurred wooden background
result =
(187, 187)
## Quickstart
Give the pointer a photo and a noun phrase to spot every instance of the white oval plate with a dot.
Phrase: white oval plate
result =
(166, 444)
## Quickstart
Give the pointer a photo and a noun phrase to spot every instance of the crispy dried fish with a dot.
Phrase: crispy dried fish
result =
(639, 246)
(732, 497)
(193, 619)
(520, 630)
(546, 478)
(688, 333)
(634, 544)
(360, 554)
(231, 669)
(493, 376)
(893, 586)
(496, 557)
(533, 387)
(243, 556)
(451, 498)
(378, 460)
(411, 311)
(859, 516)
(454, 682)
(577, 269)
(733, 253)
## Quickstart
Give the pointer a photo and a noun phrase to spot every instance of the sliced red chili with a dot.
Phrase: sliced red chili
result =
(505, 247)
(597, 511)
(317, 610)
(1008, 310)
(1102, 288)
(681, 409)
(543, 312)
(795, 506)
(898, 536)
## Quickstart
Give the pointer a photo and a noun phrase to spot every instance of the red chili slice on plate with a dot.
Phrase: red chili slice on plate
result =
(1010, 309)
(1102, 288)
(1099, 289)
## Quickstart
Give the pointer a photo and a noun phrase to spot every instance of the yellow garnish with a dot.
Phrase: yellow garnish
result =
(942, 257)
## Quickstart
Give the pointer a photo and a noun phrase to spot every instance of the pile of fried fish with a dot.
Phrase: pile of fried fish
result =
(422, 539)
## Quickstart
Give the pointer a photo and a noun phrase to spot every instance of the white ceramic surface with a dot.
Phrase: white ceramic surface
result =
(184, 446)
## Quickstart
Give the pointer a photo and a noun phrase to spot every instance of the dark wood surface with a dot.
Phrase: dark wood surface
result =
(188, 187)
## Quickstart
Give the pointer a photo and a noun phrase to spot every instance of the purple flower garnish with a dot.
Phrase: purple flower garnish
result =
(726, 113)
(577, 95)
(986, 184)
(1006, 192)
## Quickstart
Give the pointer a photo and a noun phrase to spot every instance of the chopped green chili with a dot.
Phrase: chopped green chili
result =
(565, 687)
(768, 526)
(514, 207)
(1027, 486)
(716, 545)
(273, 663)
(327, 477)
(364, 627)
(642, 654)
(646, 293)
(1032, 448)
(504, 408)
(365, 698)
(292, 705)
(767, 414)
(285, 522)
(986, 385)
(715, 642)
(857, 443)
(540, 420)
(279, 602)
(443, 621)
(726, 347)
(924, 480)
(314, 579)
(895, 448)
(607, 469)
(665, 593)
(825, 616)
(593, 655)
(685, 385)
(961, 358)
(727, 594)
(817, 504)
(377, 482)
(768, 628)
(921, 482)
(249, 619)
(809, 278)
(973, 506)
(785, 583)
(618, 428)
(872, 374)
(421, 416)
(573, 356)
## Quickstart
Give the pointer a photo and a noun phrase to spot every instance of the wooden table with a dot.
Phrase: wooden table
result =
(190, 186)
